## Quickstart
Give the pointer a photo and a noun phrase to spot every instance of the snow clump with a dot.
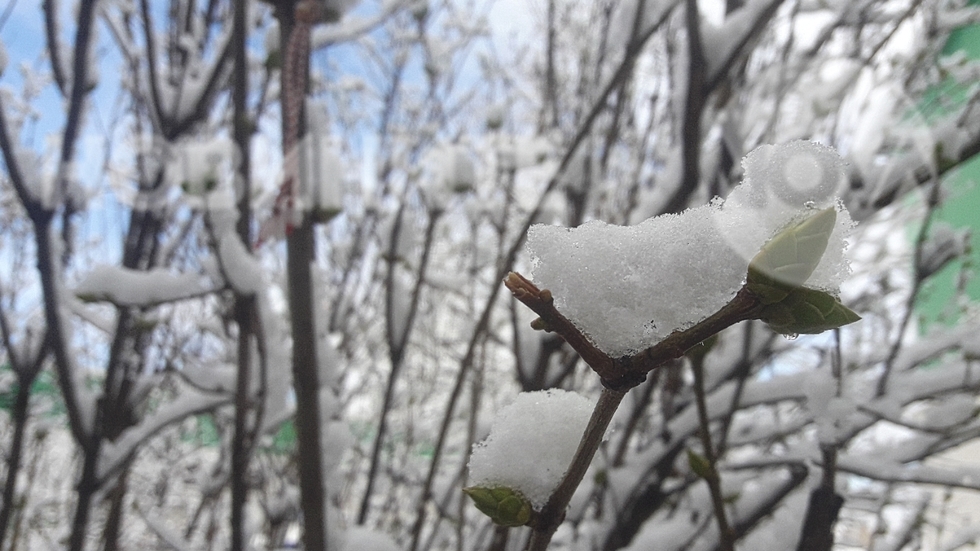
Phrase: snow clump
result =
(628, 287)
(450, 170)
(531, 444)
(200, 166)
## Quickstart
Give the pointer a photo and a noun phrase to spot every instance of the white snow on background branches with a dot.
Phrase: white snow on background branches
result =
(531, 443)
(628, 287)
(189, 402)
(450, 170)
(360, 538)
(198, 166)
(125, 287)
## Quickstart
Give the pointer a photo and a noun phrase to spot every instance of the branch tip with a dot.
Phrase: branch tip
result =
(513, 280)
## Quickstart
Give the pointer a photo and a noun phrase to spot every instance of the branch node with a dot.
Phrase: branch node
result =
(626, 379)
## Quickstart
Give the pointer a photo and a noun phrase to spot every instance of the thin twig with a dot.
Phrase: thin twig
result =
(727, 536)
(932, 203)
(695, 97)
(543, 304)
(397, 339)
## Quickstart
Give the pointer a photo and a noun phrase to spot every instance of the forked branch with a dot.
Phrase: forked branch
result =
(628, 371)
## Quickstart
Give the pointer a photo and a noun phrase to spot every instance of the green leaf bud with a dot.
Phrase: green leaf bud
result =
(699, 464)
(504, 506)
(539, 324)
(790, 257)
(807, 311)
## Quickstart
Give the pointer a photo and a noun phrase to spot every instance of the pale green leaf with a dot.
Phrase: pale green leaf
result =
(807, 311)
(504, 506)
(699, 464)
(789, 258)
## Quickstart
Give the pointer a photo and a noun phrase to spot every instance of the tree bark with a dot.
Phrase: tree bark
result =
(300, 252)
(242, 440)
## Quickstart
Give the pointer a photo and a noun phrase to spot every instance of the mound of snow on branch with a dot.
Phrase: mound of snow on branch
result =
(532, 443)
(628, 287)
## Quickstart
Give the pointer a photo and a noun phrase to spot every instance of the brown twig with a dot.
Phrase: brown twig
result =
(543, 304)
(553, 512)
(628, 371)
(618, 376)
(743, 306)
(711, 477)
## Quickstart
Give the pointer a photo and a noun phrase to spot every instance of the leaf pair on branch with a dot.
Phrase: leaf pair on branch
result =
(776, 276)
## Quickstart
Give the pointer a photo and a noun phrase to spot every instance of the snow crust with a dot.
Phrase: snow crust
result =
(531, 443)
(239, 267)
(628, 287)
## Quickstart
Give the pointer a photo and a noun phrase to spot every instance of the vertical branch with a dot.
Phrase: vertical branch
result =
(53, 45)
(550, 111)
(242, 442)
(710, 473)
(825, 503)
(693, 107)
(157, 107)
(116, 497)
(299, 246)
(19, 412)
(27, 370)
(49, 272)
(295, 26)
(476, 395)
(396, 340)
(79, 88)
